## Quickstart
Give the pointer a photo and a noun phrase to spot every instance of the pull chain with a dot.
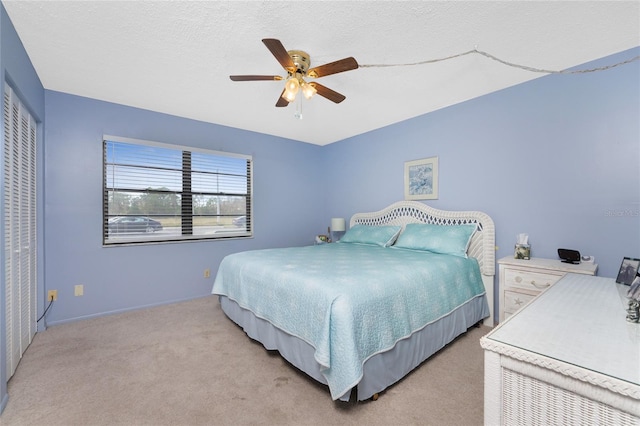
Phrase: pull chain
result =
(298, 112)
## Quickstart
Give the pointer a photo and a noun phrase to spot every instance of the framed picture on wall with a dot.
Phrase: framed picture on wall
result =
(628, 270)
(421, 179)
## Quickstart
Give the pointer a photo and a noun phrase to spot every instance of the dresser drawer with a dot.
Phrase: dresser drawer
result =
(514, 301)
(535, 281)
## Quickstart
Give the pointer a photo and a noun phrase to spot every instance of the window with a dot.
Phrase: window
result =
(156, 192)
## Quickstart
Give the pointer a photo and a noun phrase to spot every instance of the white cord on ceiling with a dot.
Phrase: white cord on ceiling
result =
(492, 57)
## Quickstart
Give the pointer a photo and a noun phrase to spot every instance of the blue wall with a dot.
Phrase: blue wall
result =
(288, 180)
(557, 157)
(18, 71)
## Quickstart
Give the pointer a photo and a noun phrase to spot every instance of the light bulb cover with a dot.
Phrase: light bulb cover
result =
(308, 90)
(289, 96)
(292, 85)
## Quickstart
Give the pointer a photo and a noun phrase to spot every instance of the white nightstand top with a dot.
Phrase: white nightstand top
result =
(552, 265)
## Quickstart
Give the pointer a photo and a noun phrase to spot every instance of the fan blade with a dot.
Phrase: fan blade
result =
(346, 64)
(325, 92)
(282, 102)
(254, 77)
(277, 49)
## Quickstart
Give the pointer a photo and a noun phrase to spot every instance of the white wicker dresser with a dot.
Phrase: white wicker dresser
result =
(569, 357)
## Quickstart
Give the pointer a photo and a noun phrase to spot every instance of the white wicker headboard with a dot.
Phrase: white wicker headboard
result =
(482, 245)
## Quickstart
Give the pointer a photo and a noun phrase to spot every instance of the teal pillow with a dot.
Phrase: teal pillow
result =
(444, 239)
(382, 236)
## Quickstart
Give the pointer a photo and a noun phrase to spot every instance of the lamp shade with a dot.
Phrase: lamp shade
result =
(338, 224)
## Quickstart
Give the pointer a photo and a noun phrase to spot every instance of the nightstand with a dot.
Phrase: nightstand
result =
(521, 281)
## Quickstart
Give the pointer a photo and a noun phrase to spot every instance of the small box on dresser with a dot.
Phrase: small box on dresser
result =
(520, 281)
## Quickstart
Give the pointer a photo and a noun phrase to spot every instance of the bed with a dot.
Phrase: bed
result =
(360, 314)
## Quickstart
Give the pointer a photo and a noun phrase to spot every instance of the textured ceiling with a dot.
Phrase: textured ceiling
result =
(175, 57)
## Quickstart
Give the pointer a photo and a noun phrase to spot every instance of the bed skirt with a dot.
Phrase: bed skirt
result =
(382, 369)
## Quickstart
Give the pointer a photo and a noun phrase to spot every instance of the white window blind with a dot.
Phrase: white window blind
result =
(19, 173)
(156, 192)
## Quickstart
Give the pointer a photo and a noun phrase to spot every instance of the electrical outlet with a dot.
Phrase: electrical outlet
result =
(79, 290)
(52, 295)
(207, 273)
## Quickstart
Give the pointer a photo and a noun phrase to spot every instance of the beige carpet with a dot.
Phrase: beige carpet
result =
(187, 364)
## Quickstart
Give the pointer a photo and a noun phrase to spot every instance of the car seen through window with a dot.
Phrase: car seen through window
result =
(129, 224)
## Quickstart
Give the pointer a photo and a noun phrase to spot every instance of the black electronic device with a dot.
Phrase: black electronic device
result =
(569, 256)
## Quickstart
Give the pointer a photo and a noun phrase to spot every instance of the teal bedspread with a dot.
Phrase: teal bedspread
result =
(349, 301)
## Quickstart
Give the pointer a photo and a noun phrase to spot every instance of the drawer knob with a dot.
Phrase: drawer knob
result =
(518, 279)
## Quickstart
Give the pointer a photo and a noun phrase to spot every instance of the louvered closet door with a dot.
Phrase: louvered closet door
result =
(19, 192)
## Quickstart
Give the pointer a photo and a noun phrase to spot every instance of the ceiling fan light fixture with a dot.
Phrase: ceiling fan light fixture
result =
(292, 85)
(291, 88)
(308, 90)
(289, 96)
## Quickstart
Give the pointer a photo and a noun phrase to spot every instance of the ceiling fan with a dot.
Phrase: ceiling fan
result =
(296, 63)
